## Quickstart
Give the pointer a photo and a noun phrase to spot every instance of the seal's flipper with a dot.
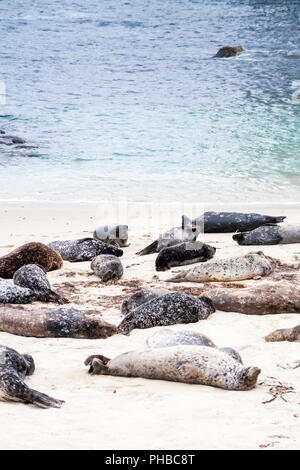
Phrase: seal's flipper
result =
(280, 219)
(152, 248)
(48, 295)
(89, 359)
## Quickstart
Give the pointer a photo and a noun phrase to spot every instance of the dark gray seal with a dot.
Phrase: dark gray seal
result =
(84, 249)
(107, 267)
(285, 334)
(112, 233)
(140, 297)
(30, 253)
(34, 278)
(10, 294)
(188, 364)
(228, 51)
(229, 222)
(183, 254)
(167, 310)
(14, 367)
(54, 323)
(270, 234)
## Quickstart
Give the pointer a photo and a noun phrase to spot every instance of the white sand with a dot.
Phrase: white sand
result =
(103, 412)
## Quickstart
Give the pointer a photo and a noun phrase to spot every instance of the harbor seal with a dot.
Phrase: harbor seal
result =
(10, 294)
(84, 249)
(270, 234)
(263, 299)
(250, 266)
(172, 237)
(30, 253)
(188, 364)
(54, 323)
(140, 297)
(167, 310)
(14, 367)
(107, 267)
(112, 233)
(182, 254)
(286, 334)
(165, 338)
(34, 278)
(228, 222)
(228, 51)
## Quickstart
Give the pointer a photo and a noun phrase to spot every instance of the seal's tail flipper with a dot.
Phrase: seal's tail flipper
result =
(180, 277)
(16, 390)
(149, 249)
(279, 219)
(48, 295)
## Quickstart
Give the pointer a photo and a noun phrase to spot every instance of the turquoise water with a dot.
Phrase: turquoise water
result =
(125, 100)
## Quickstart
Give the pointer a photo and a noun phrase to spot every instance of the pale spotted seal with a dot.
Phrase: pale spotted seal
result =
(228, 51)
(107, 267)
(188, 364)
(30, 253)
(54, 323)
(270, 235)
(252, 265)
(13, 369)
(226, 222)
(111, 233)
(182, 254)
(84, 249)
(165, 338)
(34, 278)
(11, 294)
(285, 334)
(140, 297)
(167, 310)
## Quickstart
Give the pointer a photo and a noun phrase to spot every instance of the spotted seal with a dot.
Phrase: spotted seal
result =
(286, 334)
(252, 265)
(228, 222)
(228, 51)
(30, 253)
(84, 249)
(140, 297)
(11, 294)
(14, 367)
(54, 323)
(188, 364)
(182, 254)
(270, 234)
(34, 278)
(111, 233)
(107, 267)
(167, 310)
(165, 338)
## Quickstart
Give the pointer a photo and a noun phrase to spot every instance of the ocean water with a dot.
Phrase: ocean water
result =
(125, 100)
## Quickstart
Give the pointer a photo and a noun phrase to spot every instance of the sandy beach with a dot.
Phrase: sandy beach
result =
(103, 412)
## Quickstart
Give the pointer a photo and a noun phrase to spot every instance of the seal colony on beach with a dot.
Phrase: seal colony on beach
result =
(84, 249)
(200, 365)
(14, 367)
(30, 253)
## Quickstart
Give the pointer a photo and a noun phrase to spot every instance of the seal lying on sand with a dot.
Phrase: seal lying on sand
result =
(54, 323)
(265, 298)
(84, 249)
(10, 294)
(270, 234)
(111, 233)
(252, 265)
(188, 364)
(226, 222)
(172, 237)
(167, 310)
(165, 338)
(182, 254)
(140, 297)
(228, 51)
(286, 334)
(107, 267)
(30, 253)
(34, 278)
(13, 368)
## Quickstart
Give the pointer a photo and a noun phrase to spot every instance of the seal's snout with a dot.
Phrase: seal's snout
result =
(251, 375)
(238, 237)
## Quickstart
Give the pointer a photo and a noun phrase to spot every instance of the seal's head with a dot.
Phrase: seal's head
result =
(210, 308)
(248, 378)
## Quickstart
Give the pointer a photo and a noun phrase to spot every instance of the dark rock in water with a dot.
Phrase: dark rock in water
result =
(17, 140)
(228, 51)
